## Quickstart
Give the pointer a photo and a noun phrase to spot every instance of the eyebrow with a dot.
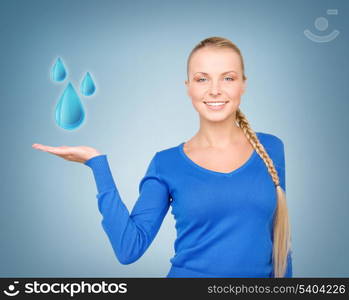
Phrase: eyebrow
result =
(222, 73)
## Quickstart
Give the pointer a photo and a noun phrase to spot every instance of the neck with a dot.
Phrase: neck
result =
(218, 134)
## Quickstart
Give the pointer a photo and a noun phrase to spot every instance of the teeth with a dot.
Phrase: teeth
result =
(215, 103)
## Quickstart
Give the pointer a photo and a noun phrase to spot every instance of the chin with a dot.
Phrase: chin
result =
(216, 118)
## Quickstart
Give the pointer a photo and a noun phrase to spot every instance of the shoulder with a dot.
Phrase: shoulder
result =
(167, 152)
(270, 140)
(274, 146)
(166, 156)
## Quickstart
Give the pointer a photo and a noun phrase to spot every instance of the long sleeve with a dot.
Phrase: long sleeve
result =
(280, 166)
(289, 272)
(130, 234)
(281, 169)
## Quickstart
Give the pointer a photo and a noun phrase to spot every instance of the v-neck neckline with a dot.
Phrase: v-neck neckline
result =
(231, 173)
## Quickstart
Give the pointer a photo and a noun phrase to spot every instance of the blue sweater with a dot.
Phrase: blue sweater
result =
(223, 220)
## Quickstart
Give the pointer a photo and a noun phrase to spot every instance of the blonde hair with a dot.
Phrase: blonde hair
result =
(281, 224)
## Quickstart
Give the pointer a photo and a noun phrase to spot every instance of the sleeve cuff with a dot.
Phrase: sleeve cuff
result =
(102, 173)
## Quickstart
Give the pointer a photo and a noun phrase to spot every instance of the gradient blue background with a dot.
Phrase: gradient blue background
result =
(136, 51)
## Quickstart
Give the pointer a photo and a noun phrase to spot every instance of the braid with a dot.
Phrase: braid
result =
(257, 145)
(281, 232)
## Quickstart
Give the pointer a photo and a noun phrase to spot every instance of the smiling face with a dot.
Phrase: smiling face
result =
(215, 75)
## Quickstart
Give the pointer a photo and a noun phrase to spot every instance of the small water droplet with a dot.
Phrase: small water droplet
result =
(69, 110)
(87, 86)
(58, 72)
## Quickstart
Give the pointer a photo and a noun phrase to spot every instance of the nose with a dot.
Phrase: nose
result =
(214, 88)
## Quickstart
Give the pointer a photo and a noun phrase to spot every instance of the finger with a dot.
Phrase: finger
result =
(54, 150)
(40, 147)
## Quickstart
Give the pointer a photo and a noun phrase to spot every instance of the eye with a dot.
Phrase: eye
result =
(200, 79)
(231, 79)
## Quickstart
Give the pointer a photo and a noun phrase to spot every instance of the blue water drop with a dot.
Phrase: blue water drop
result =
(58, 72)
(87, 86)
(69, 110)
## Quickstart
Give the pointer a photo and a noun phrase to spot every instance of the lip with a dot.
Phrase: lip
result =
(215, 101)
(215, 108)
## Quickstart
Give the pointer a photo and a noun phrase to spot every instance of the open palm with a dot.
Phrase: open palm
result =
(75, 153)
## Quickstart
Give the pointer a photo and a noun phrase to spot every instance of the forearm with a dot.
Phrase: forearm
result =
(129, 234)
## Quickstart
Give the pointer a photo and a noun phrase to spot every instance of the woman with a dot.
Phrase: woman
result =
(226, 185)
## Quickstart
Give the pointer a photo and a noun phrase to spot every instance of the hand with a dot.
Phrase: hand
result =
(78, 153)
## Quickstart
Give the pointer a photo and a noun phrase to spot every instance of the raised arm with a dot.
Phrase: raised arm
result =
(130, 234)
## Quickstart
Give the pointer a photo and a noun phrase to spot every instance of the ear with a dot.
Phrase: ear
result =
(244, 86)
(186, 82)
